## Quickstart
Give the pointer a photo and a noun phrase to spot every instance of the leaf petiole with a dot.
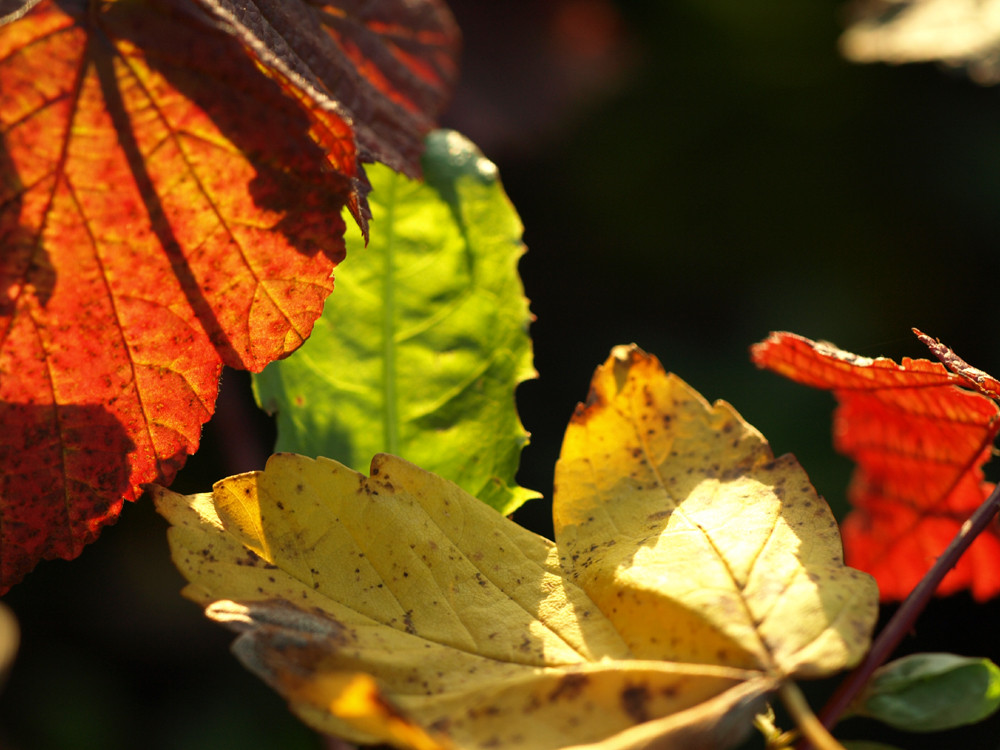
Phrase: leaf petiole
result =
(810, 727)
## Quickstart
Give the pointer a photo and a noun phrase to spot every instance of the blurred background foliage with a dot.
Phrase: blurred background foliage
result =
(691, 175)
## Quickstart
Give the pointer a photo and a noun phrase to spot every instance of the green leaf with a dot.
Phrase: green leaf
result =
(421, 347)
(866, 745)
(932, 692)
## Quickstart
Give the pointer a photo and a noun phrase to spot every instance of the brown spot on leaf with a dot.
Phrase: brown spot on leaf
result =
(594, 400)
(252, 558)
(570, 686)
(441, 725)
(634, 700)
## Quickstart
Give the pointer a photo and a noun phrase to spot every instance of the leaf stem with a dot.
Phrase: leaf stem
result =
(902, 622)
(811, 728)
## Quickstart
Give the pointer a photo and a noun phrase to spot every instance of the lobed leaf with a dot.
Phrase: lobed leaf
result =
(398, 608)
(920, 440)
(165, 209)
(677, 520)
(462, 616)
(931, 692)
(421, 354)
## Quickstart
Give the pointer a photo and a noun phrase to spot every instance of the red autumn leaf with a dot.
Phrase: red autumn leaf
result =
(170, 201)
(920, 436)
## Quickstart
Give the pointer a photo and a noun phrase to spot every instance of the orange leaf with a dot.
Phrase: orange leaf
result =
(920, 439)
(165, 208)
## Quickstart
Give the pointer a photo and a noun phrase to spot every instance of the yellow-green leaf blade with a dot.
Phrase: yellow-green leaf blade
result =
(421, 352)
(478, 702)
(463, 618)
(676, 519)
(402, 548)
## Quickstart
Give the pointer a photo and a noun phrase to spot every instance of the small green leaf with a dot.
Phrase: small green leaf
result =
(420, 348)
(932, 692)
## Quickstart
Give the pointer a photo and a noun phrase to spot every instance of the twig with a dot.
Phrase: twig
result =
(902, 622)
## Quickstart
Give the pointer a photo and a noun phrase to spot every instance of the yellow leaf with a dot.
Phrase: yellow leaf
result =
(397, 608)
(699, 545)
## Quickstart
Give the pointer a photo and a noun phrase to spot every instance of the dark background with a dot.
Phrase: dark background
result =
(691, 175)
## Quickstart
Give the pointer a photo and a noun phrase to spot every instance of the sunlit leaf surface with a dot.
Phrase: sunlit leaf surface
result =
(165, 208)
(920, 438)
(692, 573)
(428, 338)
